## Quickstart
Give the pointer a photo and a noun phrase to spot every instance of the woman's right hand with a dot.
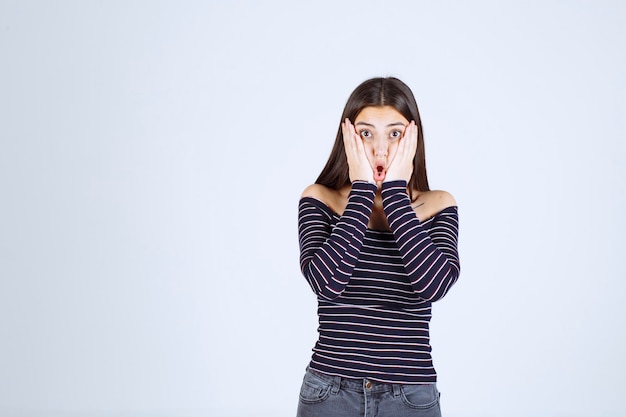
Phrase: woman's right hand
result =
(358, 164)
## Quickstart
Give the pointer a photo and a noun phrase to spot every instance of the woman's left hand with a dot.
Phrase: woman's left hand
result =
(401, 168)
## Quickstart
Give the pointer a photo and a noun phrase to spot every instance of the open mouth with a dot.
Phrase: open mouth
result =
(379, 175)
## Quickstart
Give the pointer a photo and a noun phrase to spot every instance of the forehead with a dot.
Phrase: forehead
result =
(380, 115)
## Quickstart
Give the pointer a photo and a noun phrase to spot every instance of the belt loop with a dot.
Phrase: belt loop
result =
(336, 385)
(396, 389)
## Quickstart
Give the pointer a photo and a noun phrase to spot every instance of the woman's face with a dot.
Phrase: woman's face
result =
(380, 128)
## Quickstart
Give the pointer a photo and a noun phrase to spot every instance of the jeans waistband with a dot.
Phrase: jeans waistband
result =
(355, 384)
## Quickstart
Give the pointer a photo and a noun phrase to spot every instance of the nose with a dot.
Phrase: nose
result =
(380, 150)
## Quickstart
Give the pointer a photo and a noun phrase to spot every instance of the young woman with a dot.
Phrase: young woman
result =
(377, 247)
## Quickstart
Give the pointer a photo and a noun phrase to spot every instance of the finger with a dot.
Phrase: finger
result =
(402, 161)
(347, 128)
(404, 144)
(408, 143)
(352, 131)
(356, 141)
(348, 140)
(353, 144)
(412, 138)
(344, 130)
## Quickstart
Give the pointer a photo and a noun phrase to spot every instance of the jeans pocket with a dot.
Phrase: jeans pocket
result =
(420, 396)
(314, 389)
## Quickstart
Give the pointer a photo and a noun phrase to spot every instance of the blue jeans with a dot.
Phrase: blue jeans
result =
(329, 396)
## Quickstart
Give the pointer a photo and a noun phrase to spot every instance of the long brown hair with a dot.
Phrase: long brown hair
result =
(376, 92)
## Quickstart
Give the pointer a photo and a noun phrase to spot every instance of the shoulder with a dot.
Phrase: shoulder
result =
(336, 200)
(429, 203)
(441, 199)
(317, 191)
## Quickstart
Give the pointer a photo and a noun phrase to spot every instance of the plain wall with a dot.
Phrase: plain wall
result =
(153, 153)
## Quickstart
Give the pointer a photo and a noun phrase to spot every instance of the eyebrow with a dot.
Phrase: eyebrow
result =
(389, 125)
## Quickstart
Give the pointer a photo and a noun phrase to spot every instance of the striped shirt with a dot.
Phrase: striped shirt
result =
(375, 288)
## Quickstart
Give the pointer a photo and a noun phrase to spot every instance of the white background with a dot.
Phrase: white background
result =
(151, 161)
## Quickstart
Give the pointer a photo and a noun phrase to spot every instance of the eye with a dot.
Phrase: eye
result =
(395, 134)
(365, 134)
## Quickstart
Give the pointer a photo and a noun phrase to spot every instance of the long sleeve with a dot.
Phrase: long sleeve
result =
(328, 255)
(430, 258)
